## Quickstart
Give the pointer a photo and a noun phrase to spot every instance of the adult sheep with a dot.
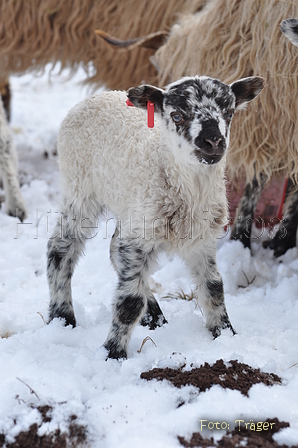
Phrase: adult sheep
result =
(158, 182)
(35, 33)
(230, 39)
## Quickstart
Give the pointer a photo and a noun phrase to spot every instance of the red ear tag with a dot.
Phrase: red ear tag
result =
(150, 114)
(129, 103)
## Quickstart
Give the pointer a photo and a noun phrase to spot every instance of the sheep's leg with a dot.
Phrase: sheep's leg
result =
(246, 211)
(285, 237)
(132, 262)
(14, 204)
(153, 316)
(64, 249)
(6, 96)
(209, 289)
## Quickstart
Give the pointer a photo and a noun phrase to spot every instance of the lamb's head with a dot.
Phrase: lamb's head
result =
(196, 113)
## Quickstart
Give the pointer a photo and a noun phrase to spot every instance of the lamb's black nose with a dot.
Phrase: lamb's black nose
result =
(213, 141)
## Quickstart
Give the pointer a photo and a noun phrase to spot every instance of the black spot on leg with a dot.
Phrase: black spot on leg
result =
(124, 276)
(54, 258)
(215, 288)
(129, 308)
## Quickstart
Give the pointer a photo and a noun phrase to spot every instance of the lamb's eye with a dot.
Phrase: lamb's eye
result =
(177, 119)
(230, 115)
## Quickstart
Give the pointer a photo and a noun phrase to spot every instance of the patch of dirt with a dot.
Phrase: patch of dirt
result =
(235, 375)
(76, 436)
(240, 437)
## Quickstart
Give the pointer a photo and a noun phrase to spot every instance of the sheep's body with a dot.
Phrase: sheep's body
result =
(35, 33)
(14, 203)
(165, 186)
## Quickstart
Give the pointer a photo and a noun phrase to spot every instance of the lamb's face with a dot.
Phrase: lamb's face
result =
(196, 113)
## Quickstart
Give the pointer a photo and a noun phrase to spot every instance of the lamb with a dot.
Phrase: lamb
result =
(228, 39)
(14, 203)
(165, 185)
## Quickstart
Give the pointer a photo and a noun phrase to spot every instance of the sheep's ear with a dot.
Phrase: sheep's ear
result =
(290, 29)
(246, 89)
(139, 96)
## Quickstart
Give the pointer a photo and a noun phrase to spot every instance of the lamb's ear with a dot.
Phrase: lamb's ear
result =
(246, 89)
(139, 96)
(290, 29)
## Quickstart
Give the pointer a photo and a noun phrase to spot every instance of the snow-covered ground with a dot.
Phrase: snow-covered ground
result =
(66, 367)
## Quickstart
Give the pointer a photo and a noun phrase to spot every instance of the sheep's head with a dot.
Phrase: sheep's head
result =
(196, 113)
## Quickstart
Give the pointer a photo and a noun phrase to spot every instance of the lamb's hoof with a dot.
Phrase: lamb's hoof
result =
(18, 212)
(114, 351)
(280, 245)
(153, 321)
(154, 316)
(216, 330)
(67, 316)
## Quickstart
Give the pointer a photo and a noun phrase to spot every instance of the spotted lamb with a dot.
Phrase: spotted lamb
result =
(165, 186)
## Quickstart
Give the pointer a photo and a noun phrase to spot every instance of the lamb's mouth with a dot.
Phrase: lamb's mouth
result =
(208, 159)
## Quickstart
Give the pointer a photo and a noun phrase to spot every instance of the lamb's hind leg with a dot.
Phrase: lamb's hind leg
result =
(246, 211)
(132, 261)
(209, 290)
(64, 249)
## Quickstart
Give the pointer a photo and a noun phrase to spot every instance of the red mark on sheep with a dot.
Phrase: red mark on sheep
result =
(150, 112)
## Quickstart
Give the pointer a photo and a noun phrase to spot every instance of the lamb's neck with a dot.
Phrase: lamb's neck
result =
(191, 179)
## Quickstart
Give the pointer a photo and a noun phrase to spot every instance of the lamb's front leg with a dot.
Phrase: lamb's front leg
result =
(209, 288)
(132, 261)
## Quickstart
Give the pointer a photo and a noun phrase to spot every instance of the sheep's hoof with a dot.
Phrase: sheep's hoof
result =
(245, 240)
(114, 351)
(216, 331)
(280, 246)
(153, 317)
(67, 316)
(18, 212)
(153, 321)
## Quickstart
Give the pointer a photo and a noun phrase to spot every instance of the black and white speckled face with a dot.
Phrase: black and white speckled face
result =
(196, 114)
(200, 110)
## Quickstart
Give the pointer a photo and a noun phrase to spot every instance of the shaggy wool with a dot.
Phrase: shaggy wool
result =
(230, 39)
(34, 33)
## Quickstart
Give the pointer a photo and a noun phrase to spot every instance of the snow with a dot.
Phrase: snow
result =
(66, 367)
